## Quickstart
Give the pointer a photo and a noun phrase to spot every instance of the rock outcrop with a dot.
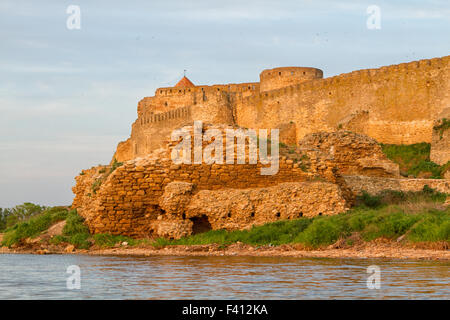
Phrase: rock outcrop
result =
(352, 153)
(440, 144)
(153, 196)
(235, 209)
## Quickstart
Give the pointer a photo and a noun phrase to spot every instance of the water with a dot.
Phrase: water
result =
(44, 277)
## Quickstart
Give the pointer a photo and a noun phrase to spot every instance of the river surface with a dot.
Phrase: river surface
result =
(46, 277)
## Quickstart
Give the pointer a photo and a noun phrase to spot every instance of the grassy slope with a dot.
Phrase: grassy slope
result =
(418, 216)
(389, 222)
(34, 226)
(414, 160)
(74, 232)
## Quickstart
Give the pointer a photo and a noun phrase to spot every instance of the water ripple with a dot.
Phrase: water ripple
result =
(44, 277)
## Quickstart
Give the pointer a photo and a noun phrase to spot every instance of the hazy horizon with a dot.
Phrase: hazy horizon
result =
(68, 97)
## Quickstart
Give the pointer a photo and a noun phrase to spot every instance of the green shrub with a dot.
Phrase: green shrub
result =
(426, 166)
(75, 232)
(33, 226)
(80, 240)
(433, 227)
(442, 127)
(391, 225)
(271, 233)
(323, 231)
(115, 165)
(368, 200)
(96, 185)
(109, 240)
(74, 224)
(382, 220)
(387, 197)
(58, 239)
(414, 159)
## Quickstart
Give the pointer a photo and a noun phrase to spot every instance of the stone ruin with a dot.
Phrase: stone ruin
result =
(329, 129)
(153, 197)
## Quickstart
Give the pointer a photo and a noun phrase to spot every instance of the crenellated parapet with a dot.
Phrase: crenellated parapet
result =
(151, 118)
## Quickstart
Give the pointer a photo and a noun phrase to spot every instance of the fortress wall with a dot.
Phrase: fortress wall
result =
(401, 102)
(285, 76)
(152, 127)
(167, 99)
(150, 131)
(165, 103)
(213, 106)
(246, 88)
(157, 118)
(374, 185)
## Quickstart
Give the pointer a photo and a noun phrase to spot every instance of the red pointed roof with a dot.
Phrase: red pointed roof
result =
(184, 82)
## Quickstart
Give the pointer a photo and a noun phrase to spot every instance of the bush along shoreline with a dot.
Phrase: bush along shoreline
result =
(406, 217)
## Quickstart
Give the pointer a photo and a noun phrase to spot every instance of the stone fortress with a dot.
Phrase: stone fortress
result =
(330, 128)
(395, 104)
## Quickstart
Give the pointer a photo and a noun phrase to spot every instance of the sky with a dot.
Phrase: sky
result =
(68, 96)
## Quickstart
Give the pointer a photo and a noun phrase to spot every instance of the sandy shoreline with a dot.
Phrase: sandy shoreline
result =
(386, 251)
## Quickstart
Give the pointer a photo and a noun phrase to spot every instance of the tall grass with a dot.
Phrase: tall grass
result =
(109, 240)
(74, 232)
(414, 160)
(34, 225)
(388, 222)
(383, 216)
(427, 195)
(417, 216)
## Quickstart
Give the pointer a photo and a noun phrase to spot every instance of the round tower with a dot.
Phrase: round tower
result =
(276, 78)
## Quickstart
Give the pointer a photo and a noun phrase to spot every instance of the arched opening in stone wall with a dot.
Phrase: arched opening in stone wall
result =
(200, 224)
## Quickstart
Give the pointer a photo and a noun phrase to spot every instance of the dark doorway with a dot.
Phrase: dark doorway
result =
(201, 224)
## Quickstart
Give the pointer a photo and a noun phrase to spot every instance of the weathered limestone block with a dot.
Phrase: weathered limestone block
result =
(447, 174)
(172, 229)
(176, 196)
(440, 144)
(375, 185)
(378, 167)
(124, 151)
(352, 153)
(233, 209)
